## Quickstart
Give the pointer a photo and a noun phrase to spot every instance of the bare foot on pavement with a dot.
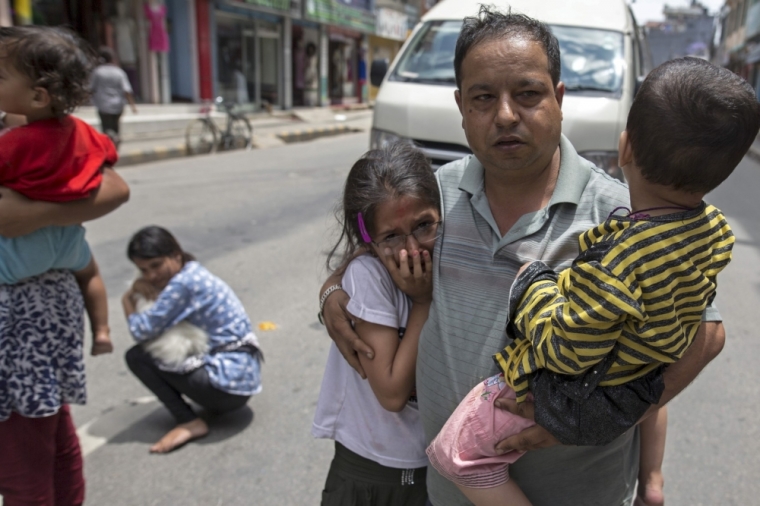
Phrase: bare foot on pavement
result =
(180, 435)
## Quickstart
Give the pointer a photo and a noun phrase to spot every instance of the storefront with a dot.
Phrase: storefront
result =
(343, 48)
(249, 54)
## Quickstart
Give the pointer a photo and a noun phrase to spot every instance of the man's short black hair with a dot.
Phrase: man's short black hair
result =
(492, 24)
(106, 54)
(691, 123)
(52, 58)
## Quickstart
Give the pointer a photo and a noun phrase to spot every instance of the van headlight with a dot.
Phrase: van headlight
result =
(605, 160)
(380, 138)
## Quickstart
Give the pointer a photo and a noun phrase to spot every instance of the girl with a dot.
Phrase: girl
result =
(390, 215)
(220, 380)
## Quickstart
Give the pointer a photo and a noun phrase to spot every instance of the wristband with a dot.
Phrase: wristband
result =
(323, 298)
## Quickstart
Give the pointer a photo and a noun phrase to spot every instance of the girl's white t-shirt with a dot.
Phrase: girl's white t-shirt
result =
(347, 410)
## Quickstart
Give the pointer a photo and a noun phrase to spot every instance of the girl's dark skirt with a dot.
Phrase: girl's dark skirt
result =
(356, 481)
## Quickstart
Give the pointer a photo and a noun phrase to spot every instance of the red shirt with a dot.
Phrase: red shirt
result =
(56, 160)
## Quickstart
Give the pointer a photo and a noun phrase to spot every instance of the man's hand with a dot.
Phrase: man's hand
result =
(532, 438)
(417, 283)
(338, 323)
(524, 266)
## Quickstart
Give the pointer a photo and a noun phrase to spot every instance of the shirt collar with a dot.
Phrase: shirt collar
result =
(574, 173)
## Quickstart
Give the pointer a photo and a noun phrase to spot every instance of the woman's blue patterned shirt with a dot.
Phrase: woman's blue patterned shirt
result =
(199, 297)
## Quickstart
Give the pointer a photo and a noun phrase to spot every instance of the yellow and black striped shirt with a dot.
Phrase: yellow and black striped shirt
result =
(637, 291)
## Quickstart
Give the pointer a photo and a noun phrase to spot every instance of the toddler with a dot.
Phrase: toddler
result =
(54, 157)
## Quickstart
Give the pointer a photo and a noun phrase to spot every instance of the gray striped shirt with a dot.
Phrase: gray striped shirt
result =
(474, 269)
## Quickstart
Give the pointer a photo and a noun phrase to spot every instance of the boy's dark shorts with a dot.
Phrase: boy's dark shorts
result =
(577, 413)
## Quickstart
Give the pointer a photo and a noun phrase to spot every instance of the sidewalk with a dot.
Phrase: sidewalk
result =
(157, 132)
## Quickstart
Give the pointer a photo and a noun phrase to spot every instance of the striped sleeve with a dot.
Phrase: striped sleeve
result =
(570, 324)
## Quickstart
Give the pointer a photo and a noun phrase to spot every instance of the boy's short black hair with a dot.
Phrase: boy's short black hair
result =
(691, 123)
(491, 24)
(53, 58)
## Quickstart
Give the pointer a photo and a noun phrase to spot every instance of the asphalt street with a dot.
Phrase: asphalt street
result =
(262, 221)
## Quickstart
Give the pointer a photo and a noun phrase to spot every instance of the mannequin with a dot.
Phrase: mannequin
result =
(125, 34)
(311, 76)
(158, 38)
(158, 45)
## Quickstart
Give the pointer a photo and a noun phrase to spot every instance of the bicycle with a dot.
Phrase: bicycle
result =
(203, 136)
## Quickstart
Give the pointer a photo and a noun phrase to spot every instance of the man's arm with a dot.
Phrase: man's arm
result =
(339, 328)
(21, 216)
(707, 344)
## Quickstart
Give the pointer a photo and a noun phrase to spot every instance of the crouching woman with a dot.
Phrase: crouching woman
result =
(220, 378)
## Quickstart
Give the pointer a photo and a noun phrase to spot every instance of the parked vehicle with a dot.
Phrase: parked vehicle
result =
(204, 136)
(602, 67)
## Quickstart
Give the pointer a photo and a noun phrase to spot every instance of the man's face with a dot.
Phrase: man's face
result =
(511, 112)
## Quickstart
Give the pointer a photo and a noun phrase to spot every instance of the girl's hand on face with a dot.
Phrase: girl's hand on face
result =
(416, 282)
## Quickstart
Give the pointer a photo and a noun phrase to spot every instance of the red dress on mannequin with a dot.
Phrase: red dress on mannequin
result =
(158, 39)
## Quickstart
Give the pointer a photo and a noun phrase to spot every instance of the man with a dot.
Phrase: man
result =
(110, 90)
(524, 195)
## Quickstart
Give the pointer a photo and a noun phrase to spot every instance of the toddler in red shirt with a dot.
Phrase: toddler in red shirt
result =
(54, 157)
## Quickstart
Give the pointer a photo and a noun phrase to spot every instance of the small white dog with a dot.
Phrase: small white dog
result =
(176, 343)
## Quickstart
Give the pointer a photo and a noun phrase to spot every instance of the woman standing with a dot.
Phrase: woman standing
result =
(221, 380)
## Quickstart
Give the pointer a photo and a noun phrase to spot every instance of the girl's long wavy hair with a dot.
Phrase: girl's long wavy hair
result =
(396, 170)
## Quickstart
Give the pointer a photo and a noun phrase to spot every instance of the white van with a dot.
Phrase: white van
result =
(602, 66)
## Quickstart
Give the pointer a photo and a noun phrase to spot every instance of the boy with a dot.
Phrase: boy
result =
(55, 157)
(590, 343)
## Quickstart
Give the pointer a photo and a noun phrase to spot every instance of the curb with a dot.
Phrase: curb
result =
(151, 155)
(157, 153)
(309, 134)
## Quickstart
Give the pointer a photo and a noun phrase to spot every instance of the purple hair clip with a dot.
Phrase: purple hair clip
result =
(363, 229)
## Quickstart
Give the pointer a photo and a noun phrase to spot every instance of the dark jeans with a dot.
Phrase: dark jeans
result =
(169, 387)
(109, 124)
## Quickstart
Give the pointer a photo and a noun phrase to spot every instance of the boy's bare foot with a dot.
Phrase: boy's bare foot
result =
(650, 492)
(180, 435)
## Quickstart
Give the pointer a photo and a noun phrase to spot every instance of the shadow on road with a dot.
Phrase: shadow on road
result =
(149, 427)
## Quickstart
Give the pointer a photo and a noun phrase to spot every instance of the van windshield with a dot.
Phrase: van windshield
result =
(592, 60)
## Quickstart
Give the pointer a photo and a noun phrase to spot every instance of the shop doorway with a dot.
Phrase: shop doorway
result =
(342, 71)
(249, 66)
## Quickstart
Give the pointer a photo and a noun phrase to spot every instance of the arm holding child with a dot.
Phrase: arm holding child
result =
(20, 216)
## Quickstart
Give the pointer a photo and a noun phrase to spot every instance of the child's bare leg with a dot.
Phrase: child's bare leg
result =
(508, 494)
(653, 431)
(96, 302)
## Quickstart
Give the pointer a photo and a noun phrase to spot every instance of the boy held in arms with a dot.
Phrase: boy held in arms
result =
(591, 342)
(54, 157)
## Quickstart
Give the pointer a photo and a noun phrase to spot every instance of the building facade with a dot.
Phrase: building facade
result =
(263, 54)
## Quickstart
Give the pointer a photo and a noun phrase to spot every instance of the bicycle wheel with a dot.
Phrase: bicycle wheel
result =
(242, 133)
(200, 137)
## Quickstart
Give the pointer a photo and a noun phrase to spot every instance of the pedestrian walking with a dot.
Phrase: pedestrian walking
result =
(390, 213)
(220, 380)
(48, 277)
(110, 91)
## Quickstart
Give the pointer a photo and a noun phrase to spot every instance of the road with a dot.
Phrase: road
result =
(262, 221)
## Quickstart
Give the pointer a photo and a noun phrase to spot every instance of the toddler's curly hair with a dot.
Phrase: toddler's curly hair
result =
(53, 58)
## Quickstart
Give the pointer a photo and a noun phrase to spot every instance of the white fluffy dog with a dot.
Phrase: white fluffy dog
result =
(176, 343)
